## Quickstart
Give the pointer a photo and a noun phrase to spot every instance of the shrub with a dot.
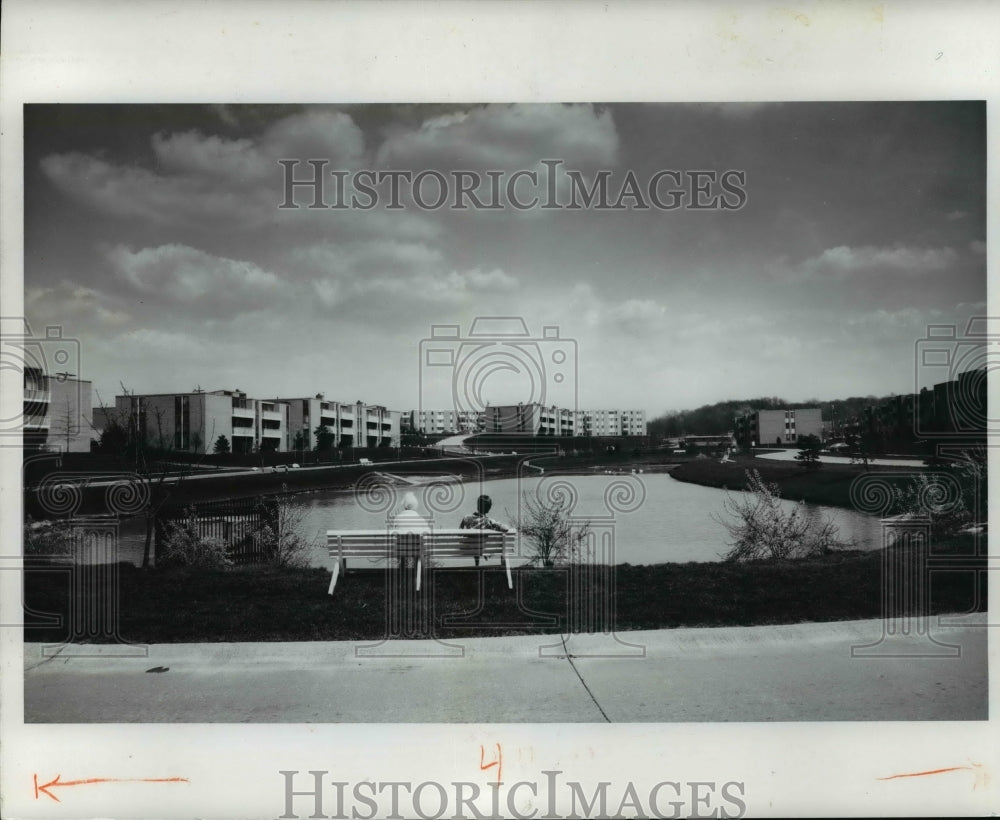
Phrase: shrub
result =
(284, 542)
(47, 537)
(763, 530)
(808, 455)
(552, 535)
(184, 546)
(952, 497)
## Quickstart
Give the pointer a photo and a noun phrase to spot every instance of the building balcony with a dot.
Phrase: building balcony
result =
(243, 432)
(243, 413)
(40, 396)
(274, 415)
(268, 433)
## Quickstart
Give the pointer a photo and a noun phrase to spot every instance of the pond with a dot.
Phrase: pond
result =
(653, 517)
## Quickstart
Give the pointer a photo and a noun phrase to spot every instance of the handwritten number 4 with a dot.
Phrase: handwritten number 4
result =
(483, 765)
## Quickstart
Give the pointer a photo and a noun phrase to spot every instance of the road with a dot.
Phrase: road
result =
(789, 455)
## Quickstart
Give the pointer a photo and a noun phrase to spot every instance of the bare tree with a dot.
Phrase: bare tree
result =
(66, 423)
(127, 431)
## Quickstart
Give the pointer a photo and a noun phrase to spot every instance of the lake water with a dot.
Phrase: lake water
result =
(653, 517)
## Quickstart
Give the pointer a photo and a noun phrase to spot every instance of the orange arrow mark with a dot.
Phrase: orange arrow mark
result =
(924, 774)
(982, 778)
(57, 782)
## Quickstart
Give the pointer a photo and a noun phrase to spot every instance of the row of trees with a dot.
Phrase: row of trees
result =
(717, 418)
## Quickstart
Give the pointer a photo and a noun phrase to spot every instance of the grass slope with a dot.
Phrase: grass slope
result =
(270, 604)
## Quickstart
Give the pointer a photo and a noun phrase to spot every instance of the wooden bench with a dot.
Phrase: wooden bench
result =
(438, 543)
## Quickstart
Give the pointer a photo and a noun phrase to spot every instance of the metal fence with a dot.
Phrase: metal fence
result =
(242, 524)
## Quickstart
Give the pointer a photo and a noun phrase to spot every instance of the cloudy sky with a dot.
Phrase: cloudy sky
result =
(154, 235)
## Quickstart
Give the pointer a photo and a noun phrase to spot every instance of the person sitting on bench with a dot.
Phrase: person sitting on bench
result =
(479, 520)
(408, 521)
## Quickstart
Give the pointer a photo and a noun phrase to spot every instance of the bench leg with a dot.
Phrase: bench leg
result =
(419, 572)
(510, 581)
(333, 581)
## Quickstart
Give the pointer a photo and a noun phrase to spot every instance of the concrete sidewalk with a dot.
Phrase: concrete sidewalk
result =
(802, 672)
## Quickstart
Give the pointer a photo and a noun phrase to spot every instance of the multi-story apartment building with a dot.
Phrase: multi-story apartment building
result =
(777, 427)
(352, 424)
(954, 410)
(614, 422)
(538, 420)
(56, 412)
(194, 421)
(440, 422)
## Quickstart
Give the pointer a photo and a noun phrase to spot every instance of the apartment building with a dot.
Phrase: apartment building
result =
(352, 424)
(763, 428)
(536, 419)
(613, 422)
(56, 414)
(441, 422)
(194, 421)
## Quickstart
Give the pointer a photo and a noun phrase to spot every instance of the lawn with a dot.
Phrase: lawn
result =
(829, 485)
(276, 604)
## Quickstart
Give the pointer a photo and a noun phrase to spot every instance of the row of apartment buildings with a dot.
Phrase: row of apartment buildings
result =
(194, 421)
(57, 415)
(954, 410)
(531, 419)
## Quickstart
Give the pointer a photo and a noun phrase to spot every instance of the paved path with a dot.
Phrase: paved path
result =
(231, 472)
(802, 672)
(789, 455)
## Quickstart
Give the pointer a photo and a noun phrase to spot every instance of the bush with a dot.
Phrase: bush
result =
(552, 535)
(763, 530)
(808, 455)
(184, 546)
(952, 497)
(47, 538)
(283, 539)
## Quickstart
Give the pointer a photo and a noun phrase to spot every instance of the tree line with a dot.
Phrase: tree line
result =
(717, 418)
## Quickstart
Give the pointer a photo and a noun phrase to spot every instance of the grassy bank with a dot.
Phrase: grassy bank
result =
(829, 485)
(267, 604)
